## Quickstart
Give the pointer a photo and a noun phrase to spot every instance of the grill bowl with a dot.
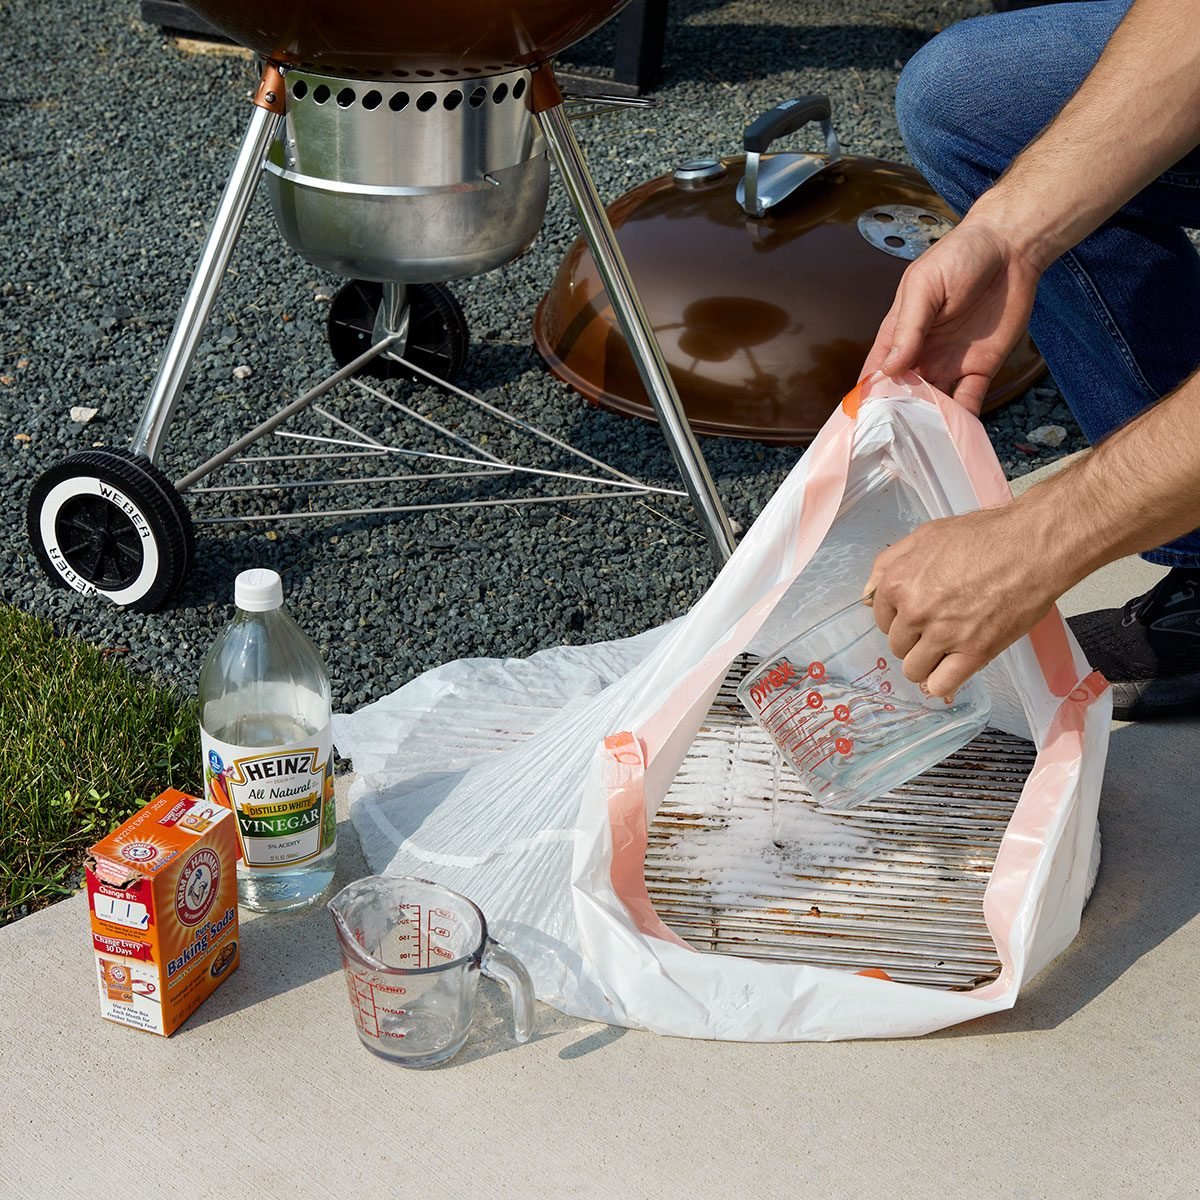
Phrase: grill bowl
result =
(449, 39)
(388, 181)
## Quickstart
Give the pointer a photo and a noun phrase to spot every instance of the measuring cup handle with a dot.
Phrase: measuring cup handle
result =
(498, 964)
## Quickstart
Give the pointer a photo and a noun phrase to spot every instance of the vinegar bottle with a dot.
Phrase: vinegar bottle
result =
(267, 748)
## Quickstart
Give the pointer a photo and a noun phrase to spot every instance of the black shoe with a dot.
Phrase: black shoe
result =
(1149, 650)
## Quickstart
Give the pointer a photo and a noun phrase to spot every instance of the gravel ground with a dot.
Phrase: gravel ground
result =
(116, 143)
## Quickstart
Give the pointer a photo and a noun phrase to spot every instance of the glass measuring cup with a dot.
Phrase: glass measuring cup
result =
(837, 705)
(412, 952)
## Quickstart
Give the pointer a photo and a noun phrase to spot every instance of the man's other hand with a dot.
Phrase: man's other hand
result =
(959, 310)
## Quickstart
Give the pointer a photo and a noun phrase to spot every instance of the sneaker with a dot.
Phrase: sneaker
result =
(1149, 650)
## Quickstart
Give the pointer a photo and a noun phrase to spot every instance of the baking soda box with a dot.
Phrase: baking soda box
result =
(162, 890)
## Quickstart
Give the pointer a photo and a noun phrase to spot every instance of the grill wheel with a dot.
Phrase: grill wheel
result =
(437, 330)
(109, 522)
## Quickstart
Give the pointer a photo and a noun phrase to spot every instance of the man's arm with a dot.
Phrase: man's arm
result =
(1135, 115)
(957, 592)
(963, 304)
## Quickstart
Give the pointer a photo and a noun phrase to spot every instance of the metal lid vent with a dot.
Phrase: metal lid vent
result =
(698, 171)
(902, 230)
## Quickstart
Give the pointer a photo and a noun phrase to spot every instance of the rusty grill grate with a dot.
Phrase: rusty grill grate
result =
(896, 884)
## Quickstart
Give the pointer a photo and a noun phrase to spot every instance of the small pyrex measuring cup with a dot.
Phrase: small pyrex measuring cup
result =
(837, 705)
(412, 952)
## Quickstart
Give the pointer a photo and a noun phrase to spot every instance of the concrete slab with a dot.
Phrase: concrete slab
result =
(1087, 1089)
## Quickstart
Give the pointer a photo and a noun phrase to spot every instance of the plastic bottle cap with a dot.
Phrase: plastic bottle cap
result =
(258, 590)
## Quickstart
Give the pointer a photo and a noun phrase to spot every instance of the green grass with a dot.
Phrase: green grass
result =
(83, 744)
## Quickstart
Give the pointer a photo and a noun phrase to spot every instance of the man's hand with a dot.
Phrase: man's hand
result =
(962, 305)
(956, 592)
(960, 309)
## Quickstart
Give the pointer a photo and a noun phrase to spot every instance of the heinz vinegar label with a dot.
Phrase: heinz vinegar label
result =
(282, 796)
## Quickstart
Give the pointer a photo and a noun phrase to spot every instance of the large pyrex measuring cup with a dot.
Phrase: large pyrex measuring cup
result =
(413, 952)
(837, 705)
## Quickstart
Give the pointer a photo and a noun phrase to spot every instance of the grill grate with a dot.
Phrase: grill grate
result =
(897, 884)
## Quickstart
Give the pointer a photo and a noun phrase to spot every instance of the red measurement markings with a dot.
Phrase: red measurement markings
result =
(840, 745)
(874, 702)
(786, 719)
(802, 724)
(802, 730)
(797, 697)
(371, 998)
(410, 919)
(362, 996)
(786, 694)
(387, 996)
(815, 729)
(818, 745)
(441, 931)
(814, 766)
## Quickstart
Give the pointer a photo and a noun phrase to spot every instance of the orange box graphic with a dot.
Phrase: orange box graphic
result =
(118, 980)
(162, 892)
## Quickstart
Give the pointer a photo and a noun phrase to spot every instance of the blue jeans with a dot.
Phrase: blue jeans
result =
(1117, 318)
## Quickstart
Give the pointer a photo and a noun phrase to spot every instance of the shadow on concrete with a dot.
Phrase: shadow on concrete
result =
(492, 1030)
(603, 1037)
(284, 951)
(1149, 881)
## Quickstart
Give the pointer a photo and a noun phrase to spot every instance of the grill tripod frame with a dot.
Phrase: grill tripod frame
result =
(165, 525)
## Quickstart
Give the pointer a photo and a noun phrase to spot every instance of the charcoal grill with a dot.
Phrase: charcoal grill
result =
(896, 885)
(405, 144)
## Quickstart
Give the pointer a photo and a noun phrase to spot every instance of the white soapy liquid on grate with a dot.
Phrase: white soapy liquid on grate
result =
(753, 843)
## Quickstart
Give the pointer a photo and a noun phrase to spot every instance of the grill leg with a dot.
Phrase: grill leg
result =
(635, 325)
(392, 317)
(214, 258)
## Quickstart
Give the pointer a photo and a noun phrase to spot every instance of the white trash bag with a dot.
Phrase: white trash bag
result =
(529, 785)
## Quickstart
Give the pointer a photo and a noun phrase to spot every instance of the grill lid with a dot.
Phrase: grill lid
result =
(764, 321)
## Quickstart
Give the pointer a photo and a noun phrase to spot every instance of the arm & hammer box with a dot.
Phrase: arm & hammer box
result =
(162, 893)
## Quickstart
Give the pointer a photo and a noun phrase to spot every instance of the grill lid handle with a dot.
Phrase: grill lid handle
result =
(765, 185)
(783, 119)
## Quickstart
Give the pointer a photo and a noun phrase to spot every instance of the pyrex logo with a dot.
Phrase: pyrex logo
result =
(771, 681)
